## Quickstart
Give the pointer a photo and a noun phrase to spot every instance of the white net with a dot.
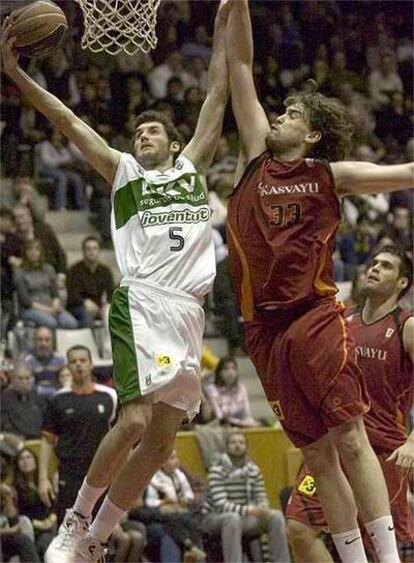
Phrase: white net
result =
(119, 25)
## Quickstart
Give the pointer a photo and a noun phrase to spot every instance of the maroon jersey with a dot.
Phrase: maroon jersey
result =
(282, 220)
(388, 374)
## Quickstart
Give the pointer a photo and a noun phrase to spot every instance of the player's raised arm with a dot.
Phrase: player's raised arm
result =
(251, 119)
(200, 150)
(95, 149)
(367, 178)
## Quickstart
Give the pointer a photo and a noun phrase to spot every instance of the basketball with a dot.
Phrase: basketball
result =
(39, 28)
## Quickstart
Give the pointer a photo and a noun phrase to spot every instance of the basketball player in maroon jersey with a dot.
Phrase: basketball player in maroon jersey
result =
(384, 335)
(282, 220)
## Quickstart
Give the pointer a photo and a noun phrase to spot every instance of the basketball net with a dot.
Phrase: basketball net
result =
(119, 25)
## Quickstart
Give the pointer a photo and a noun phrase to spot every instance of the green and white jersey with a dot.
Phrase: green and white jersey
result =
(161, 226)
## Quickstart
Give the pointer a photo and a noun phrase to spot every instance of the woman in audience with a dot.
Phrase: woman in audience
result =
(37, 292)
(43, 519)
(228, 397)
(65, 378)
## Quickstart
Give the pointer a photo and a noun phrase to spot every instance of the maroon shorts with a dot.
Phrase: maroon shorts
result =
(304, 504)
(307, 365)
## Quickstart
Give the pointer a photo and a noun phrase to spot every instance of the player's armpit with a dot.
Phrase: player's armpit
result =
(365, 178)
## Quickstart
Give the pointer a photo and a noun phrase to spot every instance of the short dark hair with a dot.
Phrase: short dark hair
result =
(218, 380)
(172, 132)
(79, 347)
(88, 239)
(328, 116)
(406, 264)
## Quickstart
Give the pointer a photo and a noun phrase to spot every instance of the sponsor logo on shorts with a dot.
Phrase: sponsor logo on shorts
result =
(163, 361)
(150, 219)
(277, 409)
(308, 486)
(148, 380)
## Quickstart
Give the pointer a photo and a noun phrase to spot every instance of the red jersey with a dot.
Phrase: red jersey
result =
(388, 374)
(282, 221)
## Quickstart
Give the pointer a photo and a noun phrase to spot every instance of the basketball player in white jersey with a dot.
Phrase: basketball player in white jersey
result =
(163, 243)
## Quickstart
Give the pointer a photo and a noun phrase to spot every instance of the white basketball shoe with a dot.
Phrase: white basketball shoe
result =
(90, 550)
(72, 530)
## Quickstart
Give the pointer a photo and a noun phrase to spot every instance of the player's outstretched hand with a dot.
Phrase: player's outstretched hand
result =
(9, 56)
(403, 457)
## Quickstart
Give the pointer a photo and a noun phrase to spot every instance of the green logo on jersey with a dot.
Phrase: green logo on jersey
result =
(150, 219)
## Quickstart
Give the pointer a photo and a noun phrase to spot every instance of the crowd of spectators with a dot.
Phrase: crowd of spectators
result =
(359, 52)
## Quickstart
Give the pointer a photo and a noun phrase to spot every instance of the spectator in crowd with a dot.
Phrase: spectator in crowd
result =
(13, 541)
(37, 290)
(90, 285)
(199, 45)
(129, 539)
(237, 505)
(28, 229)
(56, 162)
(174, 97)
(23, 409)
(10, 252)
(170, 492)
(401, 228)
(355, 246)
(395, 121)
(43, 519)
(45, 362)
(159, 76)
(23, 192)
(75, 422)
(57, 77)
(65, 378)
(384, 81)
(228, 397)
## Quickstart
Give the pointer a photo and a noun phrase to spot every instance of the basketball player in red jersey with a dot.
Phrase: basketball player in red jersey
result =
(384, 335)
(282, 221)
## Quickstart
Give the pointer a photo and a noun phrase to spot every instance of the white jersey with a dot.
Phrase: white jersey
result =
(161, 226)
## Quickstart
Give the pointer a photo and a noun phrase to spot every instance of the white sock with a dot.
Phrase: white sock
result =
(382, 534)
(105, 521)
(350, 547)
(87, 498)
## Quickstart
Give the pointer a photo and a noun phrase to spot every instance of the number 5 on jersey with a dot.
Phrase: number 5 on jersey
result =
(178, 239)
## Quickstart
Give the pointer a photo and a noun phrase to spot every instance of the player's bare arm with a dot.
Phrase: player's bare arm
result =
(366, 178)
(95, 149)
(200, 150)
(250, 116)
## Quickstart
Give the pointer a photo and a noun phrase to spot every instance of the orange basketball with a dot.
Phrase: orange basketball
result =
(40, 28)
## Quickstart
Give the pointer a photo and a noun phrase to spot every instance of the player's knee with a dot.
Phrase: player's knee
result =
(133, 424)
(351, 441)
(320, 456)
(299, 534)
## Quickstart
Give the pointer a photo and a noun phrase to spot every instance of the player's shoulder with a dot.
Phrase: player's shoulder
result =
(128, 169)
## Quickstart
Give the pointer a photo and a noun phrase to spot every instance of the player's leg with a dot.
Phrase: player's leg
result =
(366, 478)
(306, 543)
(134, 475)
(335, 494)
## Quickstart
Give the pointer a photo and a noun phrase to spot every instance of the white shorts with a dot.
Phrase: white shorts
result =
(157, 337)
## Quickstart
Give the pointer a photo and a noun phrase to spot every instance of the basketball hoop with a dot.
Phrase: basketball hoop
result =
(119, 25)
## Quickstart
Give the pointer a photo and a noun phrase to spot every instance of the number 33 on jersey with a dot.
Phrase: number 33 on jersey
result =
(159, 219)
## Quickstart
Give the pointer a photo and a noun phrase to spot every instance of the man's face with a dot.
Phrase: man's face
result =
(171, 464)
(237, 445)
(44, 343)
(401, 218)
(151, 144)
(289, 130)
(23, 219)
(383, 276)
(22, 380)
(91, 251)
(80, 366)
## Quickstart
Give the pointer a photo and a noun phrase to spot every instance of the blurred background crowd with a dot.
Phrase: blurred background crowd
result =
(57, 266)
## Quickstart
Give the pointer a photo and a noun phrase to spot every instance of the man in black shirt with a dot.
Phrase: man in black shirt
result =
(90, 285)
(76, 420)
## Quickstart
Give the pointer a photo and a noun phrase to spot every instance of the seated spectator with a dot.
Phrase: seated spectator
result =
(10, 251)
(23, 192)
(129, 539)
(43, 519)
(384, 81)
(22, 408)
(160, 75)
(28, 229)
(395, 120)
(65, 378)
(56, 162)
(44, 362)
(228, 397)
(355, 246)
(90, 285)
(170, 492)
(401, 228)
(13, 541)
(237, 504)
(37, 290)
